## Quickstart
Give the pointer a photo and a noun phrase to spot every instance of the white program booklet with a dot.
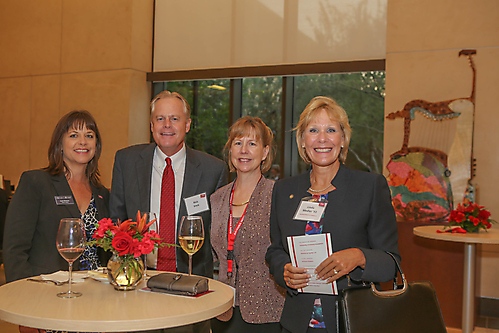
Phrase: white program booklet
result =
(308, 252)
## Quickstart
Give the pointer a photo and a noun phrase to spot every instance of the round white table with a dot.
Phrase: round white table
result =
(103, 309)
(470, 240)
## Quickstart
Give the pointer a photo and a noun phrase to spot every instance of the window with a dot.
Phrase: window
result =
(362, 95)
(279, 101)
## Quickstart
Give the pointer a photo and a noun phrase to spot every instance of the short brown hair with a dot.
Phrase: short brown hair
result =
(77, 120)
(167, 94)
(246, 126)
(335, 112)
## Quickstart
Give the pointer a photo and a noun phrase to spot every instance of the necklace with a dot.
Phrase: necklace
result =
(317, 191)
(241, 204)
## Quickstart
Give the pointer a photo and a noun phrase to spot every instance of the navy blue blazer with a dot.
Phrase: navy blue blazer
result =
(33, 221)
(131, 191)
(359, 214)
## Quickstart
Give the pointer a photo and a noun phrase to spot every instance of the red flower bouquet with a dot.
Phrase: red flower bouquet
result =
(128, 240)
(469, 217)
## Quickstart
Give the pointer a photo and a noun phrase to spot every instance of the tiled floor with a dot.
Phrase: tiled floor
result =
(11, 328)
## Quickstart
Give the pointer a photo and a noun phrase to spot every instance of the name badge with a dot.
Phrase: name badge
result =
(310, 211)
(63, 200)
(196, 204)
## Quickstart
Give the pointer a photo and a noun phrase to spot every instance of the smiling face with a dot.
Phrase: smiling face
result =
(322, 140)
(78, 146)
(247, 154)
(169, 124)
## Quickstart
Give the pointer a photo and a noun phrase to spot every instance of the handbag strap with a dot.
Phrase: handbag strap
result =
(395, 291)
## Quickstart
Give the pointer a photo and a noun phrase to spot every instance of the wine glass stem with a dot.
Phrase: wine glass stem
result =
(190, 264)
(70, 277)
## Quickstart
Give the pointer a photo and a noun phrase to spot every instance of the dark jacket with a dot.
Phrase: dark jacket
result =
(359, 214)
(131, 191)
(33, 221)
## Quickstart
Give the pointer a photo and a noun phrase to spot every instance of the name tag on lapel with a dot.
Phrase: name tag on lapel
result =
(196, 204)
(63, 200)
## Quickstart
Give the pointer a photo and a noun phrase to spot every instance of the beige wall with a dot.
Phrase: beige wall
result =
(61, 55)
(266, 32)
(423, 41)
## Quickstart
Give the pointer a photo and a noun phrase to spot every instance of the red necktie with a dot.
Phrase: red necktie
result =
(166, 255)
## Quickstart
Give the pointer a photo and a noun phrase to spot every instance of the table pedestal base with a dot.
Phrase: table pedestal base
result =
(468, 288)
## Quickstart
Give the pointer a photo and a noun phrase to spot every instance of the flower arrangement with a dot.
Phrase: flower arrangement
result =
(469, 217)
(128, 240)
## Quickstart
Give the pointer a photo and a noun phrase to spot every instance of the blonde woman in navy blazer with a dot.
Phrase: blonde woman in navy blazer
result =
(43, 197)
(246, 201)
(359, 217)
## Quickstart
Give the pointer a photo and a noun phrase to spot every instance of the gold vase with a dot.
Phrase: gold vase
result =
(125, 272)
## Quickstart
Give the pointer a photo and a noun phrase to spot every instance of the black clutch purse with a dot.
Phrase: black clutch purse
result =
(410, 308)
(178, 284)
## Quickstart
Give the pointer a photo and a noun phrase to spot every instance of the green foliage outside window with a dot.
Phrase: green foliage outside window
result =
(361, 94)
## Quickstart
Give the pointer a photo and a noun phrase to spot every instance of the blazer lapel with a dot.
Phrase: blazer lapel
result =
(102, 210)
(336, 198)
(192, 177)
(62, 188)
(144, 173)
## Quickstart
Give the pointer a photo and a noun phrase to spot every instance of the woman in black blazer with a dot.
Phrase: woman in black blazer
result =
(68, 187)
(359, 218)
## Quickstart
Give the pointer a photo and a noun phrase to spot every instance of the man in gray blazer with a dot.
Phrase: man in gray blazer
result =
(138, 170)
(137, 180)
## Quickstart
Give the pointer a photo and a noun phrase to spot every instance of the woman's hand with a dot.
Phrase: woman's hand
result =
(339, 264)
(296, 277)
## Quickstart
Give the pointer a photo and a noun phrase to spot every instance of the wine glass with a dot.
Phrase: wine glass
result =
(151, 217)
(70, 243)
(191, 236)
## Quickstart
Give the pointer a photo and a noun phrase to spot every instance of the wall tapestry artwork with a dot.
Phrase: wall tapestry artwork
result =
(431, 173)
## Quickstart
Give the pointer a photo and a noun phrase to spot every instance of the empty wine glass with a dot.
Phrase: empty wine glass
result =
(70, 243)
(151, 217)
(191, 236)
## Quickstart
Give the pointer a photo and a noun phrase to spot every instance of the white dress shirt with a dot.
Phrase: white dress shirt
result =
(158, 167)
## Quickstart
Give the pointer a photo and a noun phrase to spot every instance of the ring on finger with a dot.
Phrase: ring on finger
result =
(335, 271)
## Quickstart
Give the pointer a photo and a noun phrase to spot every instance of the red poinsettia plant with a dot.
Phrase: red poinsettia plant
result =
(469, 217)
(127, 238)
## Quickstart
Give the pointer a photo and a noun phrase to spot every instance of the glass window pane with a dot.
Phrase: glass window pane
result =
(362, 95)
(262, 97)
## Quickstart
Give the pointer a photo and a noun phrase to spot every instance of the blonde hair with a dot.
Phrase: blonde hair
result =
(247, 126)
(168, 94)
(335, 113)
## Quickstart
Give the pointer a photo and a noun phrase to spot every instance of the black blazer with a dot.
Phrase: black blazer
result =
(131, 191)
(33, 221)
(359, 214)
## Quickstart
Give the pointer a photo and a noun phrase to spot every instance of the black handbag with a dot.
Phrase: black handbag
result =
(409, 308)
(178, 284)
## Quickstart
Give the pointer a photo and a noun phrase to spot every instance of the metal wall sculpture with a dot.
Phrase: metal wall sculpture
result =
(432, 171)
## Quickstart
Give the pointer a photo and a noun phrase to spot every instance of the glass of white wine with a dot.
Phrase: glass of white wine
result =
(70, 243)
(191, 236)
